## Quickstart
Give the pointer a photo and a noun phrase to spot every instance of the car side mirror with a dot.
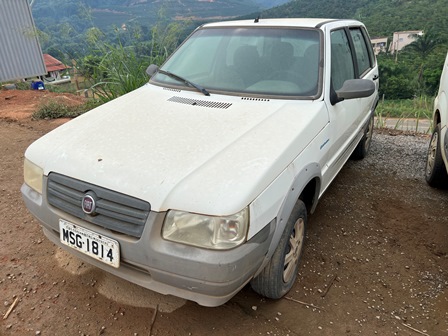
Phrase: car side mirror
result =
(356, 88)
(152, 69)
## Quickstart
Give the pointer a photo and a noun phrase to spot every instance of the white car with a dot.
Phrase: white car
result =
(436, 172)
(202, 180)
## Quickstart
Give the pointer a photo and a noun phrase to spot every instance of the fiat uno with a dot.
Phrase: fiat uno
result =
(202, 180)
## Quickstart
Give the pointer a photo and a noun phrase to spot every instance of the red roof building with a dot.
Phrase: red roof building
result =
(54, 69)
(53, 64)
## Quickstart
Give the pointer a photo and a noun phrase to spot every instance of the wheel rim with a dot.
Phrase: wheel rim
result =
(294, 250)
(369, 134)
(432, 150)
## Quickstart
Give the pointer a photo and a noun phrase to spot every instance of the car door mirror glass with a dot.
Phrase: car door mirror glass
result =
(152, 69)
(356, 88)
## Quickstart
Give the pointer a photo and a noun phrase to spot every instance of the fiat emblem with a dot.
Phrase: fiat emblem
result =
(88, 204)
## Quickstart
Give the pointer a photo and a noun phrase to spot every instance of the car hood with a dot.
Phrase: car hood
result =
(182, 150)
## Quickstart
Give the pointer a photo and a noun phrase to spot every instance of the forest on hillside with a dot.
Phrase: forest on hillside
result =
(84, 31)
(382, 17)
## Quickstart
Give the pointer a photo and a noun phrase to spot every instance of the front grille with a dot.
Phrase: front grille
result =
(114, 211)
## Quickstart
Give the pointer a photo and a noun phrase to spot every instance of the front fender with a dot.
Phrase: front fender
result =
(309, 173)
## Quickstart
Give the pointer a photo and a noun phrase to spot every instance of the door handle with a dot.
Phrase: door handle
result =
(375, 77)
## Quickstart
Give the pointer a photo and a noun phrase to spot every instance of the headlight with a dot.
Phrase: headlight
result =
(206, 231)
(33, 175)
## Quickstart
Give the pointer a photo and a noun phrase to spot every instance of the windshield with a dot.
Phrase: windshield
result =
(261, 61)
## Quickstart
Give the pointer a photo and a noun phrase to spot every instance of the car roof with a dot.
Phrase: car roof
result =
(288, 22)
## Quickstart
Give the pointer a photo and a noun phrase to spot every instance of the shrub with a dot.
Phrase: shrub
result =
(53, 109)
(398, 87)
(121, 71)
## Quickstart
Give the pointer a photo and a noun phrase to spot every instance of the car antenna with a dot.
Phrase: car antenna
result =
(257, 19)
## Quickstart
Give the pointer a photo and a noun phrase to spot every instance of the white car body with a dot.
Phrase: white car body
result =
(441, 111)
(436, 172)
(176, 149)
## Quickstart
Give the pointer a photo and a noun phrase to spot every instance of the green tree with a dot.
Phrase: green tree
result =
(395, 78)
(422, 48)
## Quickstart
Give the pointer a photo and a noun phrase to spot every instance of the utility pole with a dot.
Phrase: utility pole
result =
(396, 50)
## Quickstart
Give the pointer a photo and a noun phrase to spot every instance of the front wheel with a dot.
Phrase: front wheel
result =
(363, 146)
(280, 273)
(435, 172)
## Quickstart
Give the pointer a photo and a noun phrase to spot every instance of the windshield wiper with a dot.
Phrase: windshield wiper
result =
(185, 81)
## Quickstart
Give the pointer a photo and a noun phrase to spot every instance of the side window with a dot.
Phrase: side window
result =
(341, 59)
(361, 50)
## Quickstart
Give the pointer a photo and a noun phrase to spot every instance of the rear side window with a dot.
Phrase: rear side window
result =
(362, 54)
(341, 59)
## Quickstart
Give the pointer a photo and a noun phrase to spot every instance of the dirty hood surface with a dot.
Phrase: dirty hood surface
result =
(182, 150)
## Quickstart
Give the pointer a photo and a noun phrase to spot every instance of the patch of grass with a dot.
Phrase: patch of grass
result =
(61, 88)
(23, 85)
(53, 109)
(416, 109)
(419, 108)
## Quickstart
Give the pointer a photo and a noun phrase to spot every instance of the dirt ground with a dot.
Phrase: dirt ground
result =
(20, 104)
(375, 262)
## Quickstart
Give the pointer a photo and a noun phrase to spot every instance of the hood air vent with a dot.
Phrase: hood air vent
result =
(202, 103)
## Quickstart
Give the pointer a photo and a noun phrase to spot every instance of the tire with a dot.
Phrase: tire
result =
(362, 149)
(435, 172)
(279, 275)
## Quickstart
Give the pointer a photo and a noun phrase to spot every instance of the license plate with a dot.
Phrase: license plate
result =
(97, 246)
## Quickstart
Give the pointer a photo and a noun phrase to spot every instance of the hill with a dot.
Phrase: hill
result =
(382, 17)
(106, 13)
(156, 27)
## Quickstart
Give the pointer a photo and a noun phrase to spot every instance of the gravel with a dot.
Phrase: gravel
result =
(401, 154)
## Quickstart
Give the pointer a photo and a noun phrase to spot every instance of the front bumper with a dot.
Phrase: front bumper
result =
(207, 277)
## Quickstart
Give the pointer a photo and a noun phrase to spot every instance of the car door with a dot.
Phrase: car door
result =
(351, 58)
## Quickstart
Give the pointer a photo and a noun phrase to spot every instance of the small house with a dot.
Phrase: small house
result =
(55, 68)
(403, 38)
(379, 44)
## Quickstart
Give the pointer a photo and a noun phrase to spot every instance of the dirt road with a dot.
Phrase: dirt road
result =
(376, 262)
